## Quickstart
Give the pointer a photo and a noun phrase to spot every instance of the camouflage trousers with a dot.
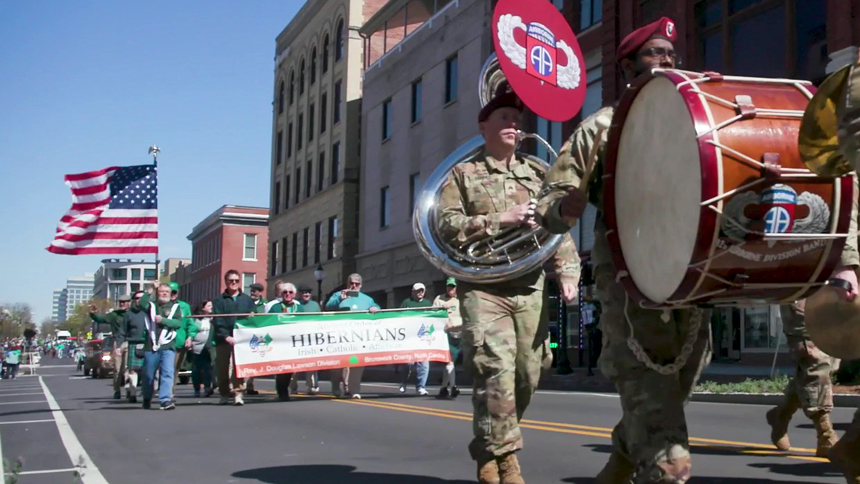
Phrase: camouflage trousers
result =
(652, 434)
(811, 387)
(505, 342)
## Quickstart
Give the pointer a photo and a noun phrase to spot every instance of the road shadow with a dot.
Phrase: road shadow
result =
(341, 474)
(843, 426)
(697, 479)
(27, 412)
(810, 469)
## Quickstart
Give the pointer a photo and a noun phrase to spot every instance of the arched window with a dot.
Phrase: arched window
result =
(292, 86)
(281, 98)
(339, 39)
(301, 77)
(325, 53)
(313, 65)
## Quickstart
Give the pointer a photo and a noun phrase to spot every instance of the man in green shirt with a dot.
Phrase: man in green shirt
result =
(114, 319)
(183, 341)
(306, 300)
(257, 292)
(165, 318)
(285, 304)
(422, 368)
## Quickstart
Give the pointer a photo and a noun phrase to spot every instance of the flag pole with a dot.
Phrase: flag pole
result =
(154, 150)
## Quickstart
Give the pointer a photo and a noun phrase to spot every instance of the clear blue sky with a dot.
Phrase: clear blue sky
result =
(86, 85)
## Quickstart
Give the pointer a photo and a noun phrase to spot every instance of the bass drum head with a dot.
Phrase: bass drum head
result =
(658, 189)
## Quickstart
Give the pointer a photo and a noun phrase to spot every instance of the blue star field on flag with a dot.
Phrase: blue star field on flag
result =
(134, 187)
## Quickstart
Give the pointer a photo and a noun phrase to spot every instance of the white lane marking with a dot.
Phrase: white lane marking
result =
(19, 394)
(26, 421)
(49, 471)
(2, 460)
(21, 403)
(90, 474)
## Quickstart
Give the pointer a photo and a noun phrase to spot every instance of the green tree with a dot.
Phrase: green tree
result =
(47, 328)
(80, 323)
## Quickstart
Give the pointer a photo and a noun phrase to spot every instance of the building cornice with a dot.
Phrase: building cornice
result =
(301, 20)
(222, 215)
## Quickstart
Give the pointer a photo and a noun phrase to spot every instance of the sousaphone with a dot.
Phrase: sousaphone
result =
(512, 253)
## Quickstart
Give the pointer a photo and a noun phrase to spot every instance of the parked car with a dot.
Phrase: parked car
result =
(99, 361)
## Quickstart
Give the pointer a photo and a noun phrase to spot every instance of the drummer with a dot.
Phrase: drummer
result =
(650, 443)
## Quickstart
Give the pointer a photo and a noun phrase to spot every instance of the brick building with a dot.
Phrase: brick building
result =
(232, 237)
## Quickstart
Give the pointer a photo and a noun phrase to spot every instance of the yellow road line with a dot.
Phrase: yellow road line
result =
(560, 427)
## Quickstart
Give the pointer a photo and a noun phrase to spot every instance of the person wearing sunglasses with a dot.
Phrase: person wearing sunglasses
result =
(286, 303)
(129, 343)
(231, 301)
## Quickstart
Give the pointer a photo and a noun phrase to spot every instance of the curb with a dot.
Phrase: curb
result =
(839, 400)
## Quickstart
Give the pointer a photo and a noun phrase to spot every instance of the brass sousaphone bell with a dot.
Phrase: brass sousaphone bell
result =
(514, 251)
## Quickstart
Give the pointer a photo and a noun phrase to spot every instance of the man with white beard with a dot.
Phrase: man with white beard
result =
(164, 318)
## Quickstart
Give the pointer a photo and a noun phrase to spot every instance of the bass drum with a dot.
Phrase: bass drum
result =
(706, 199)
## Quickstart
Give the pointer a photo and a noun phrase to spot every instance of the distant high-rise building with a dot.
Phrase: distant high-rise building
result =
(58, 311)
(122, 276)
(79, 290)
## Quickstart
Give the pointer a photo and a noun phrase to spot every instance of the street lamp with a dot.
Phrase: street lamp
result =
(319, 275)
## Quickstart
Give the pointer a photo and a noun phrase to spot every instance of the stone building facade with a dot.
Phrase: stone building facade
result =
(315, 143)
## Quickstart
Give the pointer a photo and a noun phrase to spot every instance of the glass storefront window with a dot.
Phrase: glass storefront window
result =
(758, 49)
(762, 327)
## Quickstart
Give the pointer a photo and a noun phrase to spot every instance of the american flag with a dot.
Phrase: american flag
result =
(114, 211)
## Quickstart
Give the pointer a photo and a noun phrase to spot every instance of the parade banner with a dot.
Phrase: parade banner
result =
(268, 344)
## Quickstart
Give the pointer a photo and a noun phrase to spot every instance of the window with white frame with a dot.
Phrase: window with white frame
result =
(250, 247)
(248, 278)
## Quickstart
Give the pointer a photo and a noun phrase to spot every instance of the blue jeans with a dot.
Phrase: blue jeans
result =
(162, 360)
(422, 370)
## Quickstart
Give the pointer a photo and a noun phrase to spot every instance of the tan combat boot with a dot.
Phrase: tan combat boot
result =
(488, 471)
(509, 469)
(778, 418)
(619, 470)
(846, 453)
(826, 435)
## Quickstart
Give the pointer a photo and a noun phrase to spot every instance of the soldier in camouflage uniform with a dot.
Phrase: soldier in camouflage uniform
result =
(654, 381)
(810, 389)
(846, 452)
(505, 337)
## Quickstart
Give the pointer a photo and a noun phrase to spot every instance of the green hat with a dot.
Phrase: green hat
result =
(451, 282)
(173, 286)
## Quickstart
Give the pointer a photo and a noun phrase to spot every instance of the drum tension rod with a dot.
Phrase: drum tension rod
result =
(772, 169)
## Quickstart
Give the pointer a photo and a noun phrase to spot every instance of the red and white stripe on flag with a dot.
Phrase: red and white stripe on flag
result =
(101, 222)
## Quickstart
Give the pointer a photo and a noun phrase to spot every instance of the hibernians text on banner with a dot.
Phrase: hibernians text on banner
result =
(268, 344)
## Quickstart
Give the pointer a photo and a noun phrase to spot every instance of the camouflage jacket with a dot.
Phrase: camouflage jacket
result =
(473, 198)
(569, 168)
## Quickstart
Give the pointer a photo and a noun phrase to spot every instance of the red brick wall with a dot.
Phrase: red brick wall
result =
(232, 250)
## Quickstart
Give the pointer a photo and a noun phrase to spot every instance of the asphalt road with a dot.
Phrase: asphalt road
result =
(385, 438)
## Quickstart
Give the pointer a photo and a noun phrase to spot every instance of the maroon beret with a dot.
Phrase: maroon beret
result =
(504, 97)
(664, 28)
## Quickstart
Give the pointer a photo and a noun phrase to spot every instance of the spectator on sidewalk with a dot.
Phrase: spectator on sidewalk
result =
(422, 368)
(13, 359)
(232, 301)
(130, 340)
(350, 299)
(164, 318)
(453, 328)
(200, 332)
(114, 319)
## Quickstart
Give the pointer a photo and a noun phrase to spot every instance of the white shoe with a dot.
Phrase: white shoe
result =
(422, 391)
(402, 388)
(356, 396)
(313, 391)
(238, 401)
